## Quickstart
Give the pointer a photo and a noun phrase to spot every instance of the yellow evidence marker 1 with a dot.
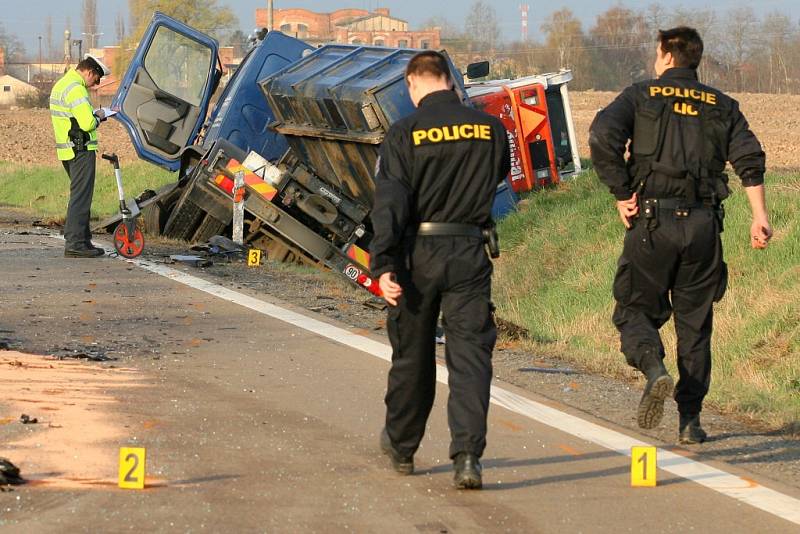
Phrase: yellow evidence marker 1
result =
(131, 467)
(643, 467)
(253, 257)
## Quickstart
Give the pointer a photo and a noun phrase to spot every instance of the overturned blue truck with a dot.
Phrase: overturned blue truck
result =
(302, 126)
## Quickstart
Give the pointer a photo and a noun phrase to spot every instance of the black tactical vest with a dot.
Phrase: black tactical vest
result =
(656, 126)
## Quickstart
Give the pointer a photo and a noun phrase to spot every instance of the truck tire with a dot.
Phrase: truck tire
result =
(184, 220)
(208, 228)
(185, 216)
(155, 216)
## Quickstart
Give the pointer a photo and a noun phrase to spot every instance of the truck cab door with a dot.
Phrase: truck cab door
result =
(164, 96)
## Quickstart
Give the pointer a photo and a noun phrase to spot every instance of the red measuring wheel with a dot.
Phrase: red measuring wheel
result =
(126, 244)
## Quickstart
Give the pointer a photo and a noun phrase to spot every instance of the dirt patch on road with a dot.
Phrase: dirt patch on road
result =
(74, 443)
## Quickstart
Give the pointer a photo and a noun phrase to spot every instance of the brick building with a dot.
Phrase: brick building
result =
(355, 26)
(2, 62)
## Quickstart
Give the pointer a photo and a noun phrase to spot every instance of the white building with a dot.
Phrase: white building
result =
(13, 91)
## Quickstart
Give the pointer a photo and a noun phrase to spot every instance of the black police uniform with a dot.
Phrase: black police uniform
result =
(682, 133)
(442, 164)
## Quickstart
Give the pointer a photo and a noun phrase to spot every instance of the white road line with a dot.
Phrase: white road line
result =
(746, 491)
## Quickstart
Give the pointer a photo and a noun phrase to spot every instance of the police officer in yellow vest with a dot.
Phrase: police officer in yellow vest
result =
(75, 126)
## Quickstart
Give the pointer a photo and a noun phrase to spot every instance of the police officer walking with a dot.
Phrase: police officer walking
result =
(75, 127)
(437, 177)
(669, 196)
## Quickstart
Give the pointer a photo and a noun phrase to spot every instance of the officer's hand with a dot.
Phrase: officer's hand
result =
(760, 233)
(628, 209)
(100, 114)
(390, 288)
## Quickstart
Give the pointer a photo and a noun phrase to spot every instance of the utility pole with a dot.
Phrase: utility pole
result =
(269, 15)
(79, 44)
(67, 50)
(92, 35)
(40, 58)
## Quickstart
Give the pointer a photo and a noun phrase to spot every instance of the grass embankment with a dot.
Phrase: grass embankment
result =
(558, 263)
(45, 190)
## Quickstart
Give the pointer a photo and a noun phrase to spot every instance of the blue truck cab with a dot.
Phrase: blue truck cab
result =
(164, 97)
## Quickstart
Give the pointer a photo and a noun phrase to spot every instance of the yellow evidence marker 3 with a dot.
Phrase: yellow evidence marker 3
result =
(253, 257)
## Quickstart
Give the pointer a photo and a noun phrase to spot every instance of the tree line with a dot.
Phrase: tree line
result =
(745, 51)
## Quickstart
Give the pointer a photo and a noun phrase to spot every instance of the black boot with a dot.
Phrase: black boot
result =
(467, 471)
(689, 430)
(402, 464)
(659, 386)
(83, 252)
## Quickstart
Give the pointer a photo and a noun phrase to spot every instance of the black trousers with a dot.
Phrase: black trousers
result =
(81, 172)
(451, 274)
(676, 267)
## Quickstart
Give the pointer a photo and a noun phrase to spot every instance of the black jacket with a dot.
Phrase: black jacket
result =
(440, 164)
(688, 142)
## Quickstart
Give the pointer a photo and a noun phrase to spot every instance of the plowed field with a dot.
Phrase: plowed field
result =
(26, 136)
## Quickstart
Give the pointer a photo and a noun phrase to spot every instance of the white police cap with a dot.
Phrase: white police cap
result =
(106, 70)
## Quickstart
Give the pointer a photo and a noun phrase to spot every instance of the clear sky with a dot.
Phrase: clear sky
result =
(26, 18)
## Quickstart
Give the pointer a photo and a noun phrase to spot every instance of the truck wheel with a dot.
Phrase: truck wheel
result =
(207, 229)
(183, 221)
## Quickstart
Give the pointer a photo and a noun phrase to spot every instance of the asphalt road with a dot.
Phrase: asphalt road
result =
(252, 424)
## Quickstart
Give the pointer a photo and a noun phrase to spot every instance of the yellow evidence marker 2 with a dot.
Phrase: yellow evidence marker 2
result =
(643, 467)
(131, 467)
(253, 257)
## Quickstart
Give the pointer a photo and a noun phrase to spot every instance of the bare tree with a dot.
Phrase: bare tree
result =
(655, 17)
(621, 48)
(447, 30)
(89, 19)
(11, 45)
(777, 33)
(48, 38)
(119, 27)
(135, 12)
(207, 16)
(740, 26)
(481, 25)
(706, 23)
(565, 37)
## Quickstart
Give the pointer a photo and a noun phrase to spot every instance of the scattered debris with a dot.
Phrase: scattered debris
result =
(193, 261)
(28, 420)
(510, 330)
(375, 303)
(548, 370)
(9, 473)
(91, 355)
(48, 223)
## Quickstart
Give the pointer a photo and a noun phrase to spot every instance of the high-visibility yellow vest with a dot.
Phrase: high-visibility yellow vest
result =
(70, 99)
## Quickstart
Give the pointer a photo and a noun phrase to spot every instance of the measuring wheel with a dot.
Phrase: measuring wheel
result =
(128, 244)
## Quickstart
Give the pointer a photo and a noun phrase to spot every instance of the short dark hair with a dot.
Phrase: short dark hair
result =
(428, 62)
(90, 64)
(684, 44)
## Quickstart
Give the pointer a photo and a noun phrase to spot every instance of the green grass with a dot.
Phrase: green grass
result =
(558, 263)
(45, 190)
